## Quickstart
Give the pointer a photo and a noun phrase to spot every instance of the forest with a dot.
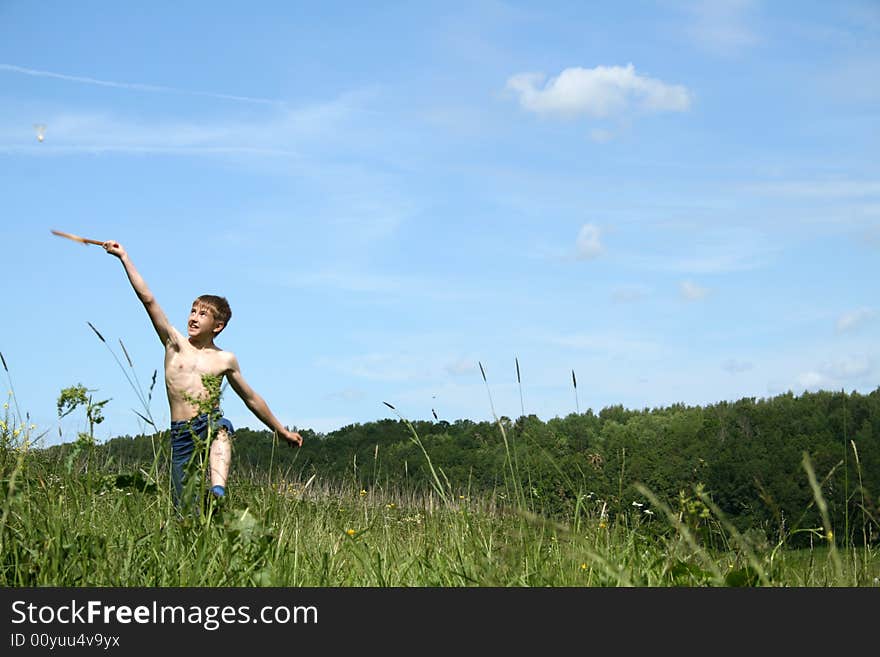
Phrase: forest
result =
(748, 456)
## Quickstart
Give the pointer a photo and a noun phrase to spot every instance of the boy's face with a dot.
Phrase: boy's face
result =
(202, 322)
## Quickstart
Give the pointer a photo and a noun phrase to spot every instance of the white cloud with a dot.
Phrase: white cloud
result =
(691, 291)
(588, 244)
(852, 320)
(600, 92)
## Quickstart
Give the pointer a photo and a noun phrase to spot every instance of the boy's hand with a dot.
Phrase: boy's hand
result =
(292, 437)
(114, 248)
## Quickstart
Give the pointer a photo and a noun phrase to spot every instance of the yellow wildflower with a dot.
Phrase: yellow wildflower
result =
(350, 532)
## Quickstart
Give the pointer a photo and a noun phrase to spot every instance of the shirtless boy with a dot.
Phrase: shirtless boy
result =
(187, 359)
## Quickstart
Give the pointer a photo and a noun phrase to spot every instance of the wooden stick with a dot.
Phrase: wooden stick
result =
(77, 238)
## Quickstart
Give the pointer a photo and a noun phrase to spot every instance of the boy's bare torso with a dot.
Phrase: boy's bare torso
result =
(188, 359)
(185, 364)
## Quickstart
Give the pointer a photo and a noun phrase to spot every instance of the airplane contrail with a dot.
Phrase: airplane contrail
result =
(151, 88)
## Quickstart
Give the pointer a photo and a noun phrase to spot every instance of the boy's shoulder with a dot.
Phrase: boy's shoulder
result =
(225, 356)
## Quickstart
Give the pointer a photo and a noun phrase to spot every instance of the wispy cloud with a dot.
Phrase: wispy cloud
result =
(284, 132)
(134, 86)
(812, 380)
(346, 395)
(337, 279)
(838, 373)
(724, 27)
(697, 250)
(818, 188)
(844, 82)
(872, 235)
(735, 366)
(380, 366)
(383, 288)
(601, 135)
(588, 244)
(461, 366)
(97, 149)
(851, 320)
(612, 345)
(629, 293)
(690, 291)
(717, 263)
(851, 367)
(600, 92)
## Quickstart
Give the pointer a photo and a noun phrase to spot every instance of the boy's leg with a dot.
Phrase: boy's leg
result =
(181, 451)
(221, 455)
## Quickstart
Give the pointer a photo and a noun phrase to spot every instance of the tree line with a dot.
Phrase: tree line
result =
(750, 456)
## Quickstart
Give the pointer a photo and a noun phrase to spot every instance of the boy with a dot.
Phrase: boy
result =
(187, 360)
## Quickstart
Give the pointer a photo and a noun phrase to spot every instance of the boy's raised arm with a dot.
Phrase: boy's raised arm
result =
(157, 315)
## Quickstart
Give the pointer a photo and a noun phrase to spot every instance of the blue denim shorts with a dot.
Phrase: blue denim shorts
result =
(183, 433)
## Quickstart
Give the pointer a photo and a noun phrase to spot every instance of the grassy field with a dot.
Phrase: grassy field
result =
(101, 528)
(76, 521)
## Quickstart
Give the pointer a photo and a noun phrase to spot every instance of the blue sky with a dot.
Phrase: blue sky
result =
(680, 201)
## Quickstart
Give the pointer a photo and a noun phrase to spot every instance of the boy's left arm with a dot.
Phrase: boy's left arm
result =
(258, 405)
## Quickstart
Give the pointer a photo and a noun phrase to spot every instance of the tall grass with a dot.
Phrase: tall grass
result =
(277, 531)
(283, 531)
(112, 527)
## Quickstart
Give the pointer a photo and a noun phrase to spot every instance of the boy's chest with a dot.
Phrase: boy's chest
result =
(194, 361)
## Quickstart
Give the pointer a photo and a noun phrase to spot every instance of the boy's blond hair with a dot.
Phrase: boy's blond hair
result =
(219, 306)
